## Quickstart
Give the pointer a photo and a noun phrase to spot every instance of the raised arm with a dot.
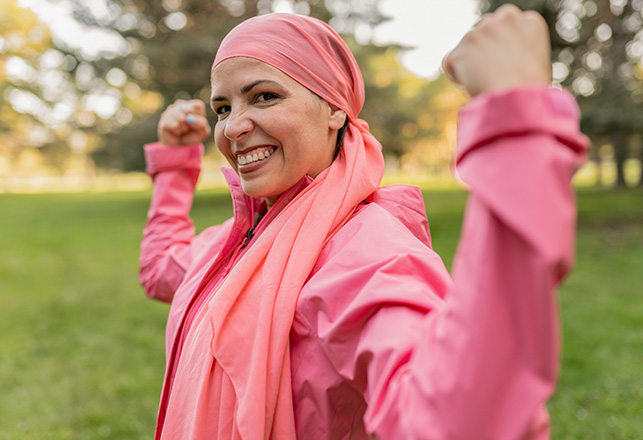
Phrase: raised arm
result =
(486, 362)
(174, 164)
(482, 363)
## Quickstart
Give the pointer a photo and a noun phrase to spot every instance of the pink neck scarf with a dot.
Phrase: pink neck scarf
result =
(241, 387)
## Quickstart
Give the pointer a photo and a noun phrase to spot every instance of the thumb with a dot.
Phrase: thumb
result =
(447, 66)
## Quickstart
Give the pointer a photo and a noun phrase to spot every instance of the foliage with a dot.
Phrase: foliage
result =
(55, 107)
(406, 113)
(80, 106)
(597, 49)
(176, 41)
(82, 347)
(172, 45)
(23, 40)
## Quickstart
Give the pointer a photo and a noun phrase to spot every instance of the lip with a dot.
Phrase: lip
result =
(254, 147)
(248, 168)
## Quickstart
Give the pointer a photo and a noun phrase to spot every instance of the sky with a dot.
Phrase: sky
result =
(433, 27)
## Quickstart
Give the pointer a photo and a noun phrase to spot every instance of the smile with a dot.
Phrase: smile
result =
(254, 157)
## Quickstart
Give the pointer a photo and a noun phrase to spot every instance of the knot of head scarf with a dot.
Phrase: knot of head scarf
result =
(233, 378)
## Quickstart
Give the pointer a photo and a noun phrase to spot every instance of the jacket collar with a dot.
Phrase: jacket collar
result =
(246, 208)
(404, 202)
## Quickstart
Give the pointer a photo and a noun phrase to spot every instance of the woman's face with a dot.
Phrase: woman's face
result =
(271, 129)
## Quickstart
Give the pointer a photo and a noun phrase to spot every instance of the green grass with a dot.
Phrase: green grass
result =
(600, 394)
(81, 347)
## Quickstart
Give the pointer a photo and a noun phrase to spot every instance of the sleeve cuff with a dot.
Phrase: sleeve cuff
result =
(515, 112)
(159, 157)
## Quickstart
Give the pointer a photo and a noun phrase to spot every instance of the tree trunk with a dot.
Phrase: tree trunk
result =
(618, 143)
(640, 183)
(596, 158)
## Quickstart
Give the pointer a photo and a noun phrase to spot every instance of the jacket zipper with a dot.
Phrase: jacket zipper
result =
(232, 260)
(249, 235)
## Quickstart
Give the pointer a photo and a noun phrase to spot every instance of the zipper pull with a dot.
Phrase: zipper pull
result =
(249, 235)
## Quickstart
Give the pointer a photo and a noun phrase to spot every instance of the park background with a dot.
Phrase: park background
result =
(81, 348)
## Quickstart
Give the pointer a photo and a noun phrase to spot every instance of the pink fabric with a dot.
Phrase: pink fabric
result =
(306, 49)
(375, 348)
(245, 377)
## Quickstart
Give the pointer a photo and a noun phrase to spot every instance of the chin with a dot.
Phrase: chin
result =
(256, 189)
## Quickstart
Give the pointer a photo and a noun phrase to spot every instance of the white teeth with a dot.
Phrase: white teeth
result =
(250, 158)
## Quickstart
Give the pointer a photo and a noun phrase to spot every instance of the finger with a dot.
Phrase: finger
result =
(171, 122)
(536, 20)
(508, 9)
(182, 120)
(199, 124)
(483, 17)
(198, 107)
(447, 67)
(176, 131)
(180, 114)
(195, 106)
(177, 126)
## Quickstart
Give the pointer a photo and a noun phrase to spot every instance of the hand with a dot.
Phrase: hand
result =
(506, 49)
(183, 123)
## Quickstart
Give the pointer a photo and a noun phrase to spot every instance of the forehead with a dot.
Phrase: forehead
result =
(234, 73)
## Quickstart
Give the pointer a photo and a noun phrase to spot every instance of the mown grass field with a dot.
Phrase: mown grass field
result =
(81, 347)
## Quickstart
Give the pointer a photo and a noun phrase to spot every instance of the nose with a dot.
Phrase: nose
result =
(236, 125)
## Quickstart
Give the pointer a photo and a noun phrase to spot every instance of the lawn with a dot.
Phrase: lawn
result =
(81, 347)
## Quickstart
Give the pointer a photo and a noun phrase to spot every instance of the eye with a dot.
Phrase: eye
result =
(222, 110)
(265, 97)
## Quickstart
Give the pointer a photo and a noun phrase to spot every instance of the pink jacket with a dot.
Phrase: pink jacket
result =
(383, 341)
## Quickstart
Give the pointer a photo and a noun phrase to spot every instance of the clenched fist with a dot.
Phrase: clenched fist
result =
(506, 49)
(183, 123)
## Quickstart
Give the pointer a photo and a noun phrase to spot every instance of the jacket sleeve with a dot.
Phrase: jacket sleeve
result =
(165, 248)
(486, 362)
(482, 363)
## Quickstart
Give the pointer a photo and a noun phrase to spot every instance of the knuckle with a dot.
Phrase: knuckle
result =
(485, 27)
(484, 17)
(472, 35)
(509, 8)
(536, 19)
(199, 106)
(509, 13)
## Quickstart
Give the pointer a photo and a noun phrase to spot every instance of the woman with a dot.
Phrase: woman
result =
(319, 310)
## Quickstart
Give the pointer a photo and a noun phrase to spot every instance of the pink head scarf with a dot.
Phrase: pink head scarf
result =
(241, 387)
(304, 48)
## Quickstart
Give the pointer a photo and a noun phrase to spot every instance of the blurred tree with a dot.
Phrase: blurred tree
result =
(23, 40)
(53, 106)
(394, 97)
(171, 45)
(438, 116)
(597, 47)
(67, 101)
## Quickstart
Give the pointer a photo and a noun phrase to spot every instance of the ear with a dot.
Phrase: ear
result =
(337, 117)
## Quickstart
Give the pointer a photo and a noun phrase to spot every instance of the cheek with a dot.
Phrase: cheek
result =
(220, 140)
(223, 145)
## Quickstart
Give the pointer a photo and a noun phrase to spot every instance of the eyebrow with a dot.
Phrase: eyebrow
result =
(245, 89)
